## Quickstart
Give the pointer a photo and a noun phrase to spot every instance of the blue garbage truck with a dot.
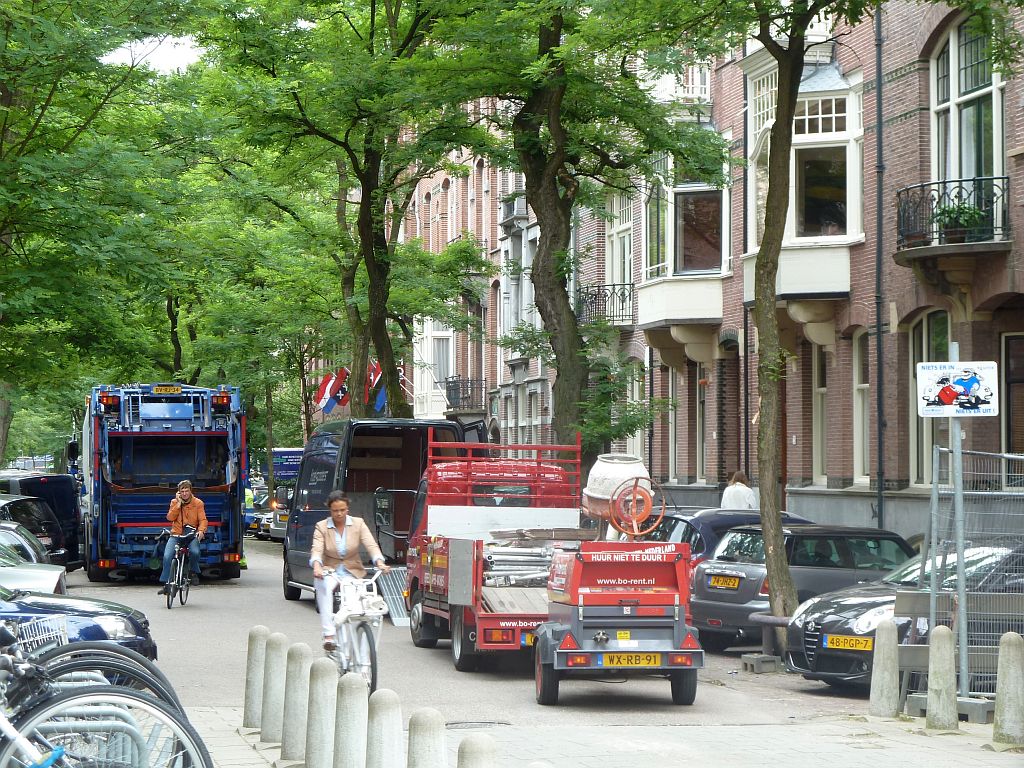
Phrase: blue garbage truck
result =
(138, 442)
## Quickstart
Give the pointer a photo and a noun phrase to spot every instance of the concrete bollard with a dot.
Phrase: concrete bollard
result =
(350, 723)
(296, 702)
(885, 672)
(942, 709)
(477, 751)
(272, 706)
(254, 676)
(384, 730)
(320, 714)
(1008, 725)
(427, 748)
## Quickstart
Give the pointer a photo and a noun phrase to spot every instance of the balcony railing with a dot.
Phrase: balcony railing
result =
(613, 302)
(464, 394)
(953, 211)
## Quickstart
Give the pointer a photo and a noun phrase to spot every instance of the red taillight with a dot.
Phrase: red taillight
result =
(106, 563)
(577, 660)
(680, 660)
(221, 401)
(764, 587)
(110, 402)
(499, 636)
(232, 557)
(568, 643)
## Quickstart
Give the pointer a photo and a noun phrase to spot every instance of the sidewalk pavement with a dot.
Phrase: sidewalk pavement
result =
(853, 742)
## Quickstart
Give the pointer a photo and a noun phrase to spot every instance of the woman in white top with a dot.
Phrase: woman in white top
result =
(738, 494)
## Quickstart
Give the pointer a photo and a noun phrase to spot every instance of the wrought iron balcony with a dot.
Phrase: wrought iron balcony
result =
(614, 302)
(952, 212)
(464, 394)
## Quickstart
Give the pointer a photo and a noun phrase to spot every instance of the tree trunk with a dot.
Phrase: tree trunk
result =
(305, 412)
(270, 441)
(348, 267)
(771, 366)
(6, 414)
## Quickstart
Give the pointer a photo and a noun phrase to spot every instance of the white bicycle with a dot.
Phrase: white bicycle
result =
(359, 611)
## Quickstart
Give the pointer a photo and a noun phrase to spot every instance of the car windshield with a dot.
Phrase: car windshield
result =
(741, 547)
(10, 556)
(979, 562)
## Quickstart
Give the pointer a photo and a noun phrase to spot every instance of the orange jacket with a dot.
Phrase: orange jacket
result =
(193, 513)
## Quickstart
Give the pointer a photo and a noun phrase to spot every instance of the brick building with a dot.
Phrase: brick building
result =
(672, 266)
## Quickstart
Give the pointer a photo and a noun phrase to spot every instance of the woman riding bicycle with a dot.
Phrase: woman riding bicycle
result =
(185, 510)
(336, 544)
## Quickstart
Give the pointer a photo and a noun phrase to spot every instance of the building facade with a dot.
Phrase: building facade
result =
(672, 263)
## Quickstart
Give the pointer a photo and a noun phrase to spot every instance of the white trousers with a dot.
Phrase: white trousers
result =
(325, 588)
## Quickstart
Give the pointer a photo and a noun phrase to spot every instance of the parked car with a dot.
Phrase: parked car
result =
(20, 538)
(36, 515)
(734, 583)
(279, 518)
(87, 618)
(831, 636)
(18, 573)
(702, 529)
(61, 492)
(263, 520)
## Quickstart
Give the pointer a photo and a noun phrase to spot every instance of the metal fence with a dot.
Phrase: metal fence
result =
(973, 558)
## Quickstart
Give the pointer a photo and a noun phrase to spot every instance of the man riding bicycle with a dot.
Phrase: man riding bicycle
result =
(185, 510)
(336, 543)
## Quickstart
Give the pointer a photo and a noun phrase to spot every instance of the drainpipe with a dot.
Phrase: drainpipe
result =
(879, 232)
(746, 389)
(650, 399)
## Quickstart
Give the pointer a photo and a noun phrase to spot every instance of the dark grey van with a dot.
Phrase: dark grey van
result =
(378, 463)
(61, 492)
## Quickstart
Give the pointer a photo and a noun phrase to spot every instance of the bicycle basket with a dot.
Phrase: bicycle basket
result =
(36, 633)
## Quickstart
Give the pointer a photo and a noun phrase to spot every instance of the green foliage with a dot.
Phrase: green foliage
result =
(958, 215)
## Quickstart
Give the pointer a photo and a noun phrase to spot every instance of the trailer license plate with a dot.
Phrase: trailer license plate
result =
(724, 582)
(848, 642)
(166, 390)
(632, 660)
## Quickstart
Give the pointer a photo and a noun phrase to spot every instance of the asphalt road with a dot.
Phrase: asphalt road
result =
(202, 649)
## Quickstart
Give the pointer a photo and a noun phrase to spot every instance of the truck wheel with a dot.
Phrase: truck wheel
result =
(96, 574)
(684, 686)
(421, 626)
(290, 592)
(462, 657)
(545, 679)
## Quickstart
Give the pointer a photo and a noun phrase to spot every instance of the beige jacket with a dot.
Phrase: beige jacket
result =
(357, 535)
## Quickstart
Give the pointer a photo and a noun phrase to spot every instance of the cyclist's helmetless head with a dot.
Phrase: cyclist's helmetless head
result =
(185, 490)
(337, 503)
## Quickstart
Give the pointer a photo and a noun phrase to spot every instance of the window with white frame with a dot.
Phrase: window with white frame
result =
(929, 342)
(619, 269)
(700, 428)
(967, 108)
(861, 406)
(685, 224)
(441, 349)
(635, 443)
(673, 424)
(825, 198)
(820, 435)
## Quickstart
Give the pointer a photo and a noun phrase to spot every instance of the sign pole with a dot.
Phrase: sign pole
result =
(960, 525)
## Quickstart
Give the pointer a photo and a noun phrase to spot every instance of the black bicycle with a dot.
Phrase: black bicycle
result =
(181, 568)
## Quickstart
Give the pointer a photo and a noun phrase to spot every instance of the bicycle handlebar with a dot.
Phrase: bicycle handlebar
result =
(376, 573)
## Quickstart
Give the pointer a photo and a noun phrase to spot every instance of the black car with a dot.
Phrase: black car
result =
(703, 528)
(87, 618)
(831, 636)
(61, 492)
(36, 515)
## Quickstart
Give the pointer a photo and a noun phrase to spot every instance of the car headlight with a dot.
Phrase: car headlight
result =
(801, 610)
(869, 621)
(117, 627)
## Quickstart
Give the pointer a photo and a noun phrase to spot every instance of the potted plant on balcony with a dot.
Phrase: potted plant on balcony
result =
(956, 218)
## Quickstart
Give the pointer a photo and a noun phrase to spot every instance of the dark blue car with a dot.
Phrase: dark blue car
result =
(87, 618)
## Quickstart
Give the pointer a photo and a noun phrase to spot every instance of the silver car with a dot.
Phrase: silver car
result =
(822, 558)
(19, 575)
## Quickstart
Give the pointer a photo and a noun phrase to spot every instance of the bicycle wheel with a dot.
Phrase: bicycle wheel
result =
(172, 583)
(99, 649)
(185, 581)
(364, 655)
(87, 671)
(109, 727)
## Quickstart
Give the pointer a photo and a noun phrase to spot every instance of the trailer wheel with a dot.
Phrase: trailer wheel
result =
(545, 679)
(423, 636)
(684, 686)
(290, 592)
(462, 657)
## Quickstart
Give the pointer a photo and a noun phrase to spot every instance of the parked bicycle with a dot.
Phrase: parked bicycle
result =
(359, 611)
(76, 723)
(180, 582)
